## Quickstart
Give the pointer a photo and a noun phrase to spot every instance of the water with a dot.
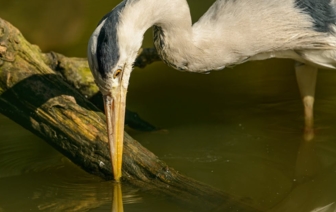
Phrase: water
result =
(239, 130)
(35, 177)
(238, 133)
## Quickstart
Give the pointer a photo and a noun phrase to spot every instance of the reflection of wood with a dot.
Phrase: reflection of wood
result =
(37, 98)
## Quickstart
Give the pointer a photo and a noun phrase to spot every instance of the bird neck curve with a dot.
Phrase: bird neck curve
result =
(173, 32)
(225, 35)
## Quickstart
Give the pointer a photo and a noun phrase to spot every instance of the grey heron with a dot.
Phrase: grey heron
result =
(231, 32)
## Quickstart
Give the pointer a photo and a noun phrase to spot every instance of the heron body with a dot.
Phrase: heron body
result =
(231, 32)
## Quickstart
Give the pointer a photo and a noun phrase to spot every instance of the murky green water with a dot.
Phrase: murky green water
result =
(239, 130)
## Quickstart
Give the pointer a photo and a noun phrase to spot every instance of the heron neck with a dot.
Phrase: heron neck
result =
(176, 40)
(223, 36)
(173, 32)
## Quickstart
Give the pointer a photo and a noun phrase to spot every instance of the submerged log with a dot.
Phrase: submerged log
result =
(36, 97)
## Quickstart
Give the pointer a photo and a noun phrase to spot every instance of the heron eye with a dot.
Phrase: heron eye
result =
(117, 73)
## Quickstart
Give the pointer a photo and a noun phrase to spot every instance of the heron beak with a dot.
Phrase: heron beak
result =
(114, 104)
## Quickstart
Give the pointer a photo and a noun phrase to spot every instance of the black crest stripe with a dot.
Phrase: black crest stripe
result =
(107, 41)
(322, 12)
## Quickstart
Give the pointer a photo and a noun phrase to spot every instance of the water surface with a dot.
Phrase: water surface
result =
(239, 130)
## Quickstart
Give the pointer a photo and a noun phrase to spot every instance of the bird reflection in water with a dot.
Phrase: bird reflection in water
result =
(117, 199)
(313, 187)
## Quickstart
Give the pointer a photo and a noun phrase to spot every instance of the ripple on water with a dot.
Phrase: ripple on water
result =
(22, 154)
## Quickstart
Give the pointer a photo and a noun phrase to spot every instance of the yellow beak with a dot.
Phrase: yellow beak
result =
(114, 104)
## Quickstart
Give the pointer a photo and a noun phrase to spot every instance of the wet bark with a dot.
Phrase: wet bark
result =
(35, 93)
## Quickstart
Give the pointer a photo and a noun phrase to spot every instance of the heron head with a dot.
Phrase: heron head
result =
(111, 53)
(108, 58)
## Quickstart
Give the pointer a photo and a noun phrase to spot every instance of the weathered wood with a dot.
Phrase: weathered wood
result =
(37, 98)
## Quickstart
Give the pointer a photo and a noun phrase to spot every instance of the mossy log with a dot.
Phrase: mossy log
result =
(42, 101)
